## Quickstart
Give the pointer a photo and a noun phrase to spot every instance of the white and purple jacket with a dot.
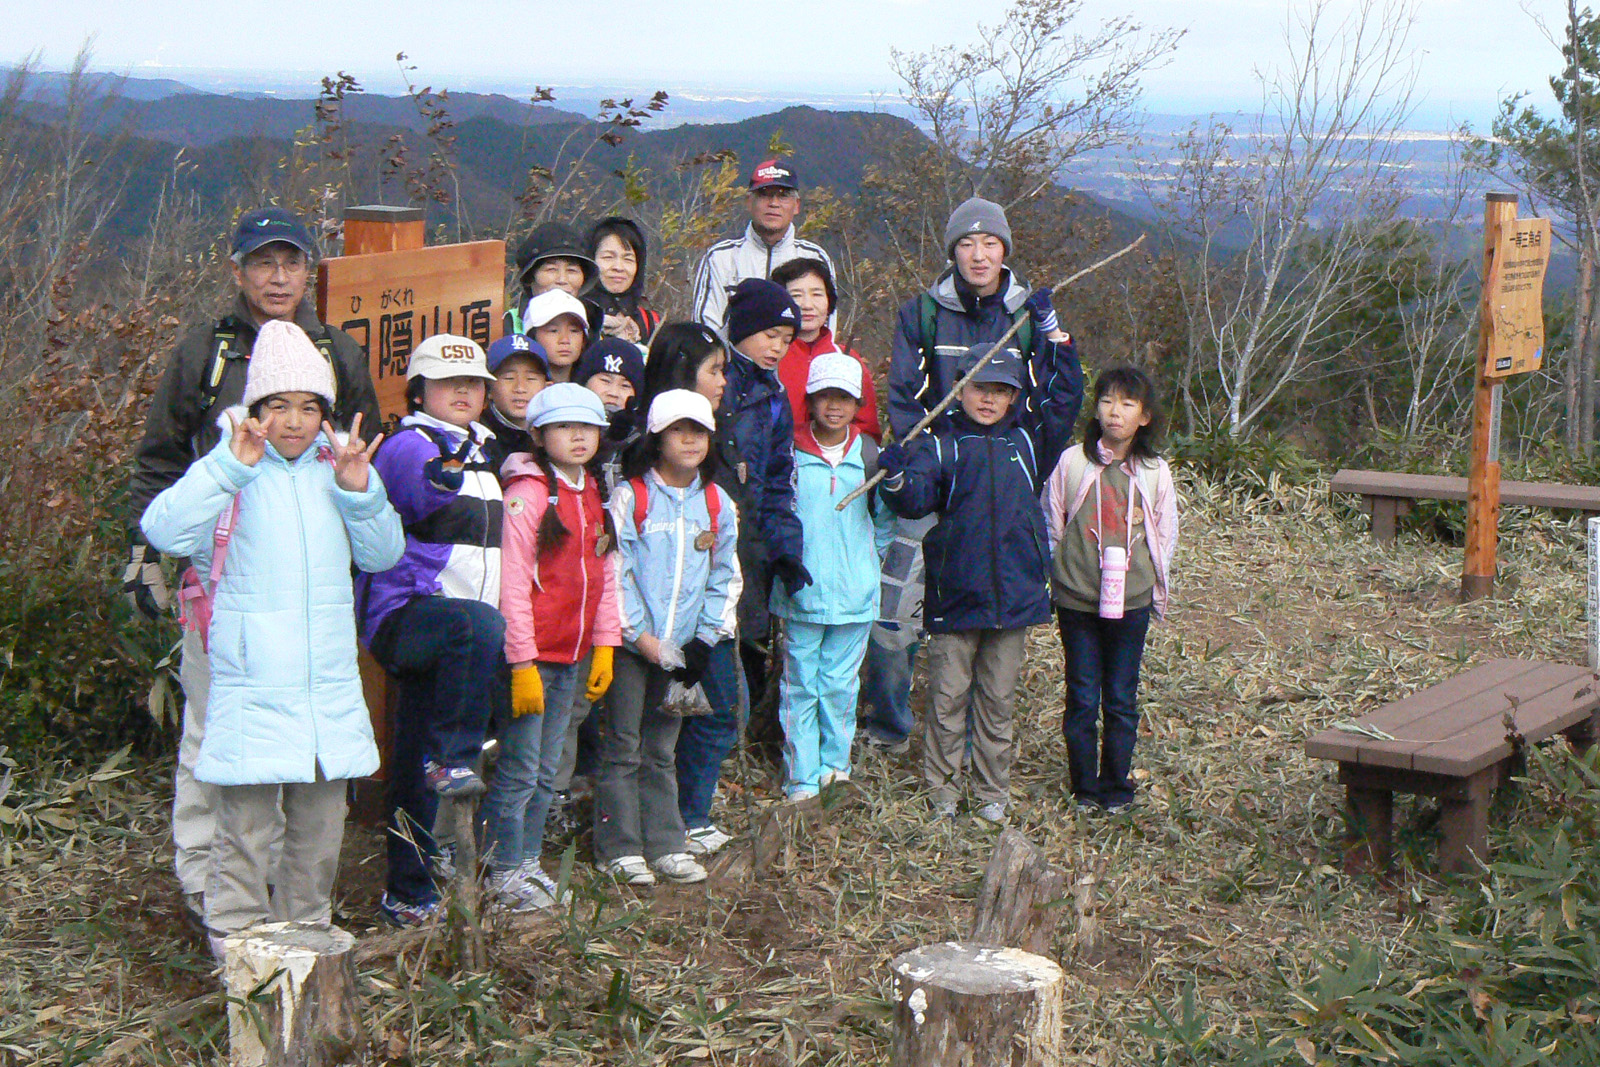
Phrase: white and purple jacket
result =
(448, 497)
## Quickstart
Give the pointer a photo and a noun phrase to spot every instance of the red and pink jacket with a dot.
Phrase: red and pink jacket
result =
(559, 603)
(796, 365)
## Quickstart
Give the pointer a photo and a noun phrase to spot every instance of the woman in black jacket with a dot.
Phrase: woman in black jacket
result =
(617, 304)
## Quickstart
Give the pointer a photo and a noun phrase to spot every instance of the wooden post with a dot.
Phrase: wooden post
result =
(966, 1005)
(466, 918)
(374, 228)
(1483, 480)
(292, 996)
(1019, 904)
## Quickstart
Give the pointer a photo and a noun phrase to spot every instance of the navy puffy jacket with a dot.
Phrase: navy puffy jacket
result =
(988, 556)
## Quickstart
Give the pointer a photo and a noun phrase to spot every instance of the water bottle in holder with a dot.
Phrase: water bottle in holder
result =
(1113, 581)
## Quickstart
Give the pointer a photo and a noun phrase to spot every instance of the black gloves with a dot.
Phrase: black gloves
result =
(791, 572)
(143, 583)
(892, 461)
(696, 654)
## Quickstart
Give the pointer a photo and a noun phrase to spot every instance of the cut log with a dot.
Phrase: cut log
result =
(1087, 940)
(292, 998)
(1019, 904)
(775, 831)
(466, 903)
(964, 1005)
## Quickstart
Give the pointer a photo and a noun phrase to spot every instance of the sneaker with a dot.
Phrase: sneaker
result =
(679, 867)
(630, 869)
(944, 810)
(443, 864)
(535, 874)
(893, 748)
(831, 776)
(452, 781)
(515, 892)
(399, 913)
(798, 795)
(704, 840)
(994, 812)
(1117, 807)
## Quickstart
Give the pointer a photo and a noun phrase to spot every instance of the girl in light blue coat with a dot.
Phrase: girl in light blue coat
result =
(272, 519)
(829, 620)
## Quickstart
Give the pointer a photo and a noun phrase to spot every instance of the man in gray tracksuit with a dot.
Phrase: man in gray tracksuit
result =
(766, 244)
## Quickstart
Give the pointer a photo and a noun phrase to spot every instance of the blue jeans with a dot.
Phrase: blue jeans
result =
(449, 658)
(704, 741)
(1102, 681)
(886, 689)
(531, 747)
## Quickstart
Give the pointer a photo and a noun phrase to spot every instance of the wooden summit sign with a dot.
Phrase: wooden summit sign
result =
(1516, 298)
(390, 301)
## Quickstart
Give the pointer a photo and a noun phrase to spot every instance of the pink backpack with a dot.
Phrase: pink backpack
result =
(195, 595)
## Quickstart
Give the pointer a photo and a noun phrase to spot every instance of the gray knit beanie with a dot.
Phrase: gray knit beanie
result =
(976, 215)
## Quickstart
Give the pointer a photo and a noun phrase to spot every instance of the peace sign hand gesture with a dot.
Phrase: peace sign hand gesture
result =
(249, 441)
(353, 458)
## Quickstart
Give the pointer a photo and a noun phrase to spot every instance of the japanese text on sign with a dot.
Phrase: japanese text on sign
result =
(391, 301)
(1516, 298)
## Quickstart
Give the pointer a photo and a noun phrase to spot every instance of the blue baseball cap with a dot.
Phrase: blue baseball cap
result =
(518, 344)
(266, 226)
(1004, 369)
(566, 402)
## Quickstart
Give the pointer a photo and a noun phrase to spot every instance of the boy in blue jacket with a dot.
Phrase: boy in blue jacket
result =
(756, 421)
(988, 565)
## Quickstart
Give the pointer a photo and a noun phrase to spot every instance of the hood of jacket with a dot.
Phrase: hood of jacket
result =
(952, 291)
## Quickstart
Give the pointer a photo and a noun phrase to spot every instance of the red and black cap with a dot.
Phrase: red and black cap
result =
(774, 174)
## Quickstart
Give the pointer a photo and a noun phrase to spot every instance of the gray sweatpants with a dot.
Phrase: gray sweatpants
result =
(636, 790)
(985, 664)
(243, 854)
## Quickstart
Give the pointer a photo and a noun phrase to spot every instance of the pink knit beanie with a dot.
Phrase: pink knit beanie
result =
(285, 361)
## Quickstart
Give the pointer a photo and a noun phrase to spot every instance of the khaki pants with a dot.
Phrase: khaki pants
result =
(194, 803)
(243, 854)
(982, 666)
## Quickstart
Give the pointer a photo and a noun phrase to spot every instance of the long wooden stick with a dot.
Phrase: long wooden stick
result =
(955, 390)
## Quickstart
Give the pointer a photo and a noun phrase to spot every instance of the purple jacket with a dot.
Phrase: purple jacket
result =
(448, 498)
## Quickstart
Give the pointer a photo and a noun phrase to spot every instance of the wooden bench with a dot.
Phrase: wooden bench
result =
(1451, 741)
(1388, 495)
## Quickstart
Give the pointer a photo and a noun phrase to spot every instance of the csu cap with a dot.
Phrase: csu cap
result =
(444, 355)
(266, 226)
(774, 174)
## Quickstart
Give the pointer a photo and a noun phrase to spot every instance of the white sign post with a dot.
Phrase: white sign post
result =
(1594, 595)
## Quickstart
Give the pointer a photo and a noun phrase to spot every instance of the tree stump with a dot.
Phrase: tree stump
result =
(466, 904)
(965, 1005)
(775, 832)
(292, 998)
(1020, 901)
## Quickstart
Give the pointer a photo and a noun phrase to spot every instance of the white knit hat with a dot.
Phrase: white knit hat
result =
(283, 360)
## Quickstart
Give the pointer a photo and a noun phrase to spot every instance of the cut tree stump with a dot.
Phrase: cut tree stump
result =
(466, 904)
(1020, 900)
(964, 1005)
(773, 833)
(292, 999)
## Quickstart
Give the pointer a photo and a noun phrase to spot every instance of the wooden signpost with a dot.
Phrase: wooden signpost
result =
(389, 291)
(1510, 341)
(390, 300)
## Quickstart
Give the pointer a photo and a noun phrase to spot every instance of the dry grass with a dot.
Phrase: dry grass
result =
(1287, 618)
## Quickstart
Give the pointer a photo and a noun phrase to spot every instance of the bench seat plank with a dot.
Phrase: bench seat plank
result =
(1537, 718)
(1389, 484)
(1448, 720)
(1392, 718)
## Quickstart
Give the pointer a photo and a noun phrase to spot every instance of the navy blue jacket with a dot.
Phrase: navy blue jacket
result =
(964, 319)
(758, 468)
(988, 556)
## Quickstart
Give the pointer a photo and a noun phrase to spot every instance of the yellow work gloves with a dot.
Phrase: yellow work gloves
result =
(599, 673)
(527, 691)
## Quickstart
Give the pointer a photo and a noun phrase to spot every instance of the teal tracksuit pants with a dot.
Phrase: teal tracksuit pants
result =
(821, 680)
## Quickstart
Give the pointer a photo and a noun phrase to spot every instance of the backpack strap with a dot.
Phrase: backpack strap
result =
(641, 502)
(869, 464)
(1024, 336)
(223, 337)
(928, 326)
(713, 505)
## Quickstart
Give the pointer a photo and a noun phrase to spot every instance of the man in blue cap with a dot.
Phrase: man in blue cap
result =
(271, 257)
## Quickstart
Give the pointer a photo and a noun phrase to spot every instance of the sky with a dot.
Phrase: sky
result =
(1469, 53)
